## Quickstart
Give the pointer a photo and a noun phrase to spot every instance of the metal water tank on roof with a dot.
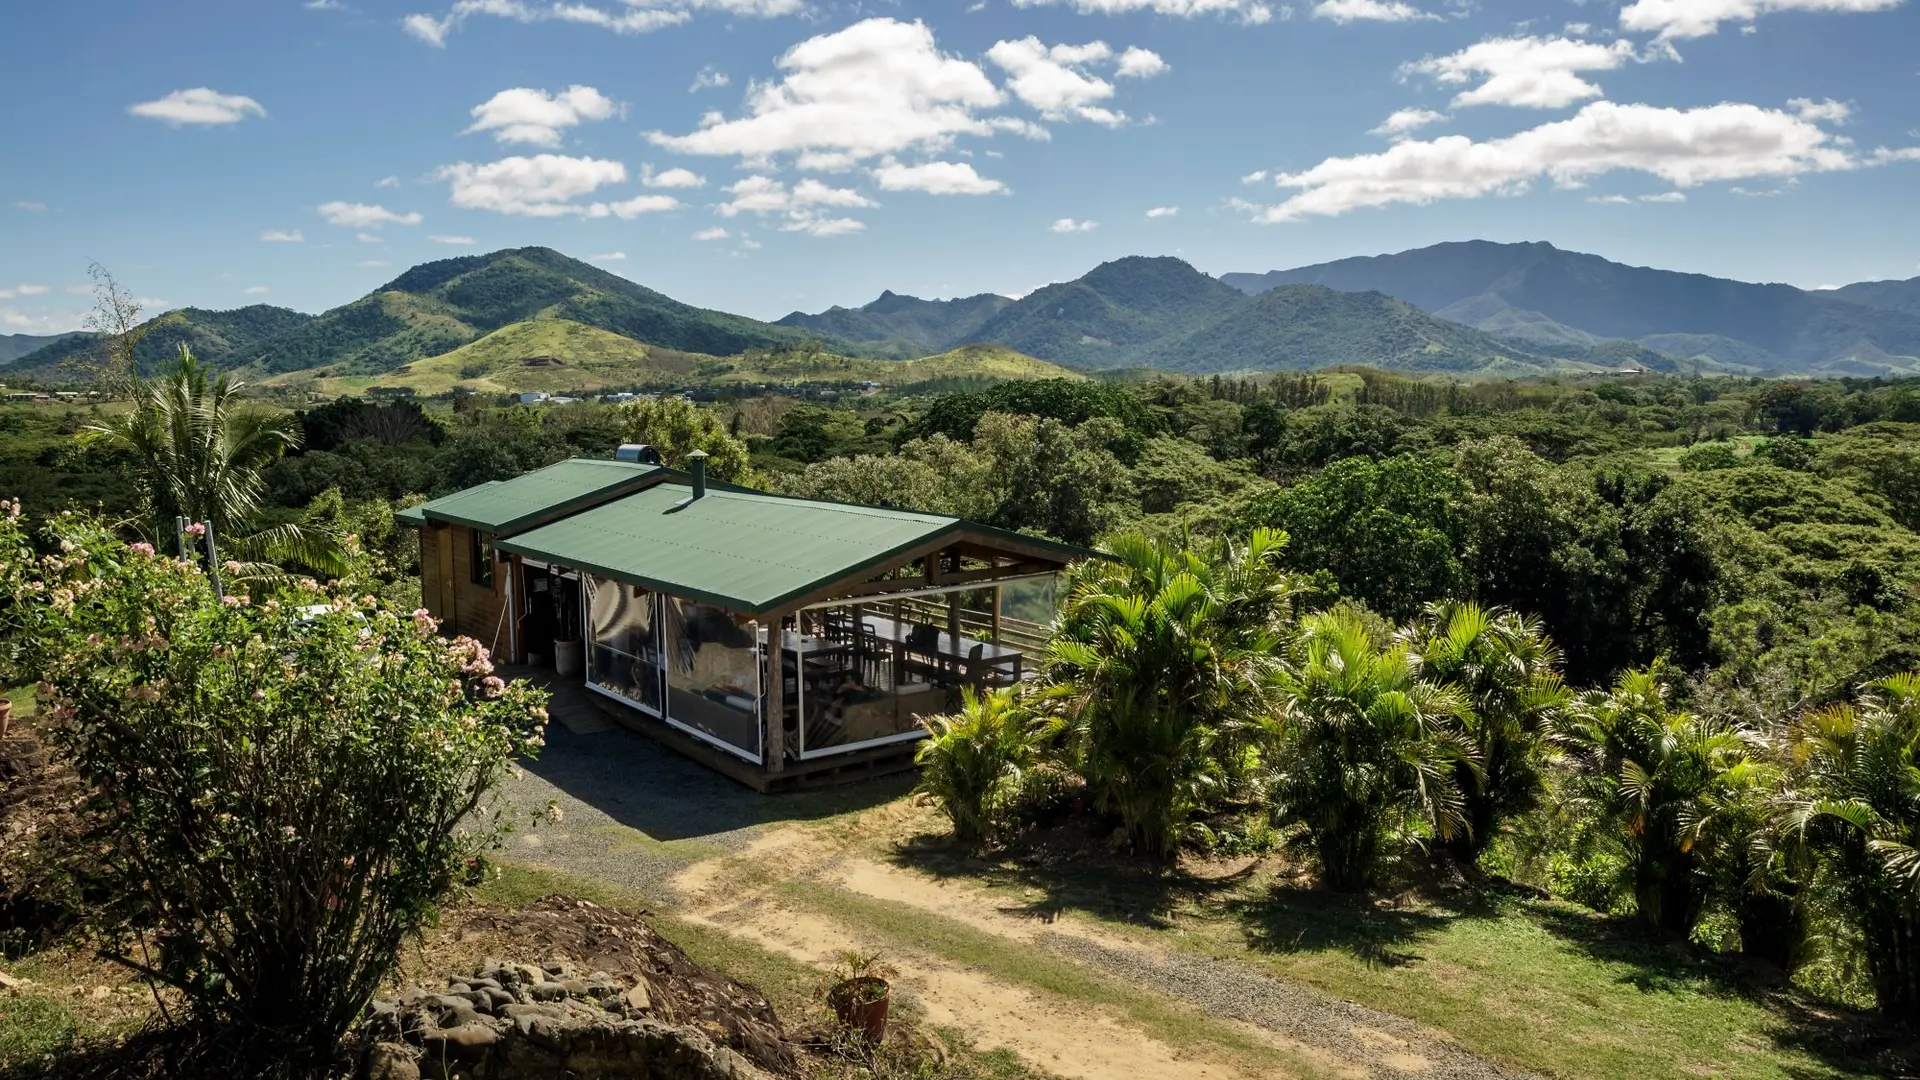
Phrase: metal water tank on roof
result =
(639, 453)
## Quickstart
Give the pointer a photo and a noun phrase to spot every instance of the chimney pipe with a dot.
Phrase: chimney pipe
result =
(698, 462)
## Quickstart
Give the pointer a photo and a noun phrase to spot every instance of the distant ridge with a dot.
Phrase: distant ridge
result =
(15, 346)
(895, 325)
(1542, 295)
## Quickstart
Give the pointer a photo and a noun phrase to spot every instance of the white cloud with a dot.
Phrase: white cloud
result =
(749, 245)
(1610, 200)
(1346, 11)
(324, 5)
(77, 290)
(199, 106)
(671, 178)
(1825, 111)
(1258, 176)
(6, 294)
(1055, 79)
(526, 115)
(935, 178)
(256, 290)
(1526, 72)
(1163, 211)
(1685, 147)
(629, 17)
(30, 290)
(1665, 197)
(1396, 126)
(709, 78)
(715, 233)
(801, 206)
(1138, 63)
(375, 262)
(1673, 19)
(636, 206)
(877, 87)
(282, 236)
(387, 182)
(543, 185)
(370, 238)
(30, 206)
(1249, 11)
(611, 256)
(363, 216)
(1751, 193)
(1069, 225)
(453, 241)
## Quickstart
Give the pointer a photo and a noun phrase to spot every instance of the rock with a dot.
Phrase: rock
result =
(548, 991)
(468, 1042)
(637, 997)
(391, 1061)
(576, 988)
(13, 982)
(500, 998)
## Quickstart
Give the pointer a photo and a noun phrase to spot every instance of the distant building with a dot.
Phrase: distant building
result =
(615, 399)
(533, 397)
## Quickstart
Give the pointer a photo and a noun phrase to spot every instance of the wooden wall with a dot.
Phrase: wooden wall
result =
(476, 610)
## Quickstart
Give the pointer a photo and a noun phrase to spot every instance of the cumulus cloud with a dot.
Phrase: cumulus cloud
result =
(1138, 63)
(878, 87)
(255, 290)
(375, 262)
(1346, 11)
(610, 256)
(1163, 211)
(30, 290)
(282, 236)
(628, 17)
(543, 185)
(935, 178)
(805, 207)
(199, 106)
(1057, 79)
(1069, 225)
(370, 238)
(387, 182)
(536, 117)
(671, 178)
(1684, 147)
(1672, 19)
(1249, 11)
(715, 233)
(454, 241)
(1665, 197)
(1397, 125)
(708, 78)
(31, 206)
(1258, 176)
(1826, 111)
(364, 216)
(1526, 72)
(1609, 200)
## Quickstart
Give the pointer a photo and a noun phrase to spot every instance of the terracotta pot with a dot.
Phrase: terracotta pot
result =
(862, 1004)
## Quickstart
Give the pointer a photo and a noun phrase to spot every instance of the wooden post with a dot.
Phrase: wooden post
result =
(773, 743)
(953, 629)
(996, 614)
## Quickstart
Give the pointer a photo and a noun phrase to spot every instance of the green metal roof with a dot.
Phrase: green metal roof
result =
(503, 507)
(745, 551)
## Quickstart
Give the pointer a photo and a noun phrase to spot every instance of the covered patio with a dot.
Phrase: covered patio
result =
(780, 639)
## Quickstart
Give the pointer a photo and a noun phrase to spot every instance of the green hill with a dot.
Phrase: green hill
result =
(439, 306)
(221, 338)
(1115, 315)
(561, 356)
(904, 326)
(15, 346)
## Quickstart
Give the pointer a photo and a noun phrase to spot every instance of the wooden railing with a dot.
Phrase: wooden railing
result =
(1028, 637)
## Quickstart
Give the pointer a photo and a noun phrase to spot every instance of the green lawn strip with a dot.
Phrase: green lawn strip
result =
(911, 929)
(1545, 986)
(32, 1027)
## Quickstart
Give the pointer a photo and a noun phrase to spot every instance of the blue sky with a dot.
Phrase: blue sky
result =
(766, 155)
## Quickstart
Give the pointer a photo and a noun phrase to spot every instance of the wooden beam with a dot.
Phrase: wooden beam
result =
(773, 742)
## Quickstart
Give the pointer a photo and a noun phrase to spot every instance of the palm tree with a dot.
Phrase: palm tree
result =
(1667, 784)
(1159, 678)
(1504, 665)
(1367, 749)
(973, 762)
(199, 453)
(1856, 805)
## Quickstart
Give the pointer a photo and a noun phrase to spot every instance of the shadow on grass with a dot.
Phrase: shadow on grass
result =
(1293, 918)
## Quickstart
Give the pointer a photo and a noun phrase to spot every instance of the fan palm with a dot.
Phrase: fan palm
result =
(1367, 750)
(1666, 781)
(199, 452)
(1504, 665)
(1160, 674)
(1856, 804)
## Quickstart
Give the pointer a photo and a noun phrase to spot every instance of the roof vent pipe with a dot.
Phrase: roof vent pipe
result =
(697, 461)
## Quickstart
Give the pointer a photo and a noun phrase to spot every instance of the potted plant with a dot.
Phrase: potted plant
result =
(860, 995)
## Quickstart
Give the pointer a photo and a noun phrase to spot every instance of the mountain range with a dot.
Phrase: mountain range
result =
(1469, 308)
(15, 346)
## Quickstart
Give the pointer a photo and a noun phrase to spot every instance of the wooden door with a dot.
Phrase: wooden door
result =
(443, 537)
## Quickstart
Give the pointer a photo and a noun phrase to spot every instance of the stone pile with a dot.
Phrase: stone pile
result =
(514, 1021)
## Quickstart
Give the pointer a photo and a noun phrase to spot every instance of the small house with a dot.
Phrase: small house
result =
(777, 639)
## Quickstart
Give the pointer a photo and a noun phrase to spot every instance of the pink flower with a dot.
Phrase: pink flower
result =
(493, 686)
(141, 548)
(197, 529)
(259, 695)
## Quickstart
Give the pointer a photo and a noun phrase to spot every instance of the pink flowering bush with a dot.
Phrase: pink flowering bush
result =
(288, 784)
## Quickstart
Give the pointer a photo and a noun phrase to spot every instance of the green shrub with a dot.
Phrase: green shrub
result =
(1595, 880)
(286, 788)
(974, 761)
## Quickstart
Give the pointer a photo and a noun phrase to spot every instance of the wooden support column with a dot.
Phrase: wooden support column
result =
(996, 615)
(773, 740)
(953, 630)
